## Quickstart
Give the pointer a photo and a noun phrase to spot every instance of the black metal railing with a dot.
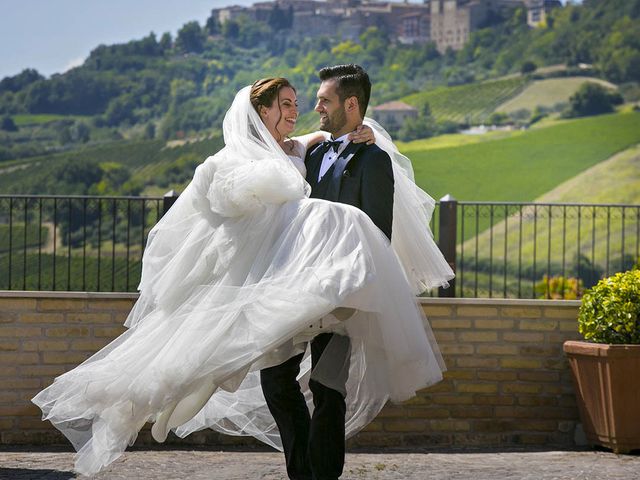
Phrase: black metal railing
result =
(536, 250)
(76, 243)
(498, 249)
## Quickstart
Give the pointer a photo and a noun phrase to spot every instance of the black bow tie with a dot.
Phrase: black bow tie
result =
(335, 144)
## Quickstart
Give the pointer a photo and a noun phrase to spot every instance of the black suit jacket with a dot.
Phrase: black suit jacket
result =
(366, 181)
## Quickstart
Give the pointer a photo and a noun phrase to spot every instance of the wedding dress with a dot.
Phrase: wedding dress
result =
(232, 274)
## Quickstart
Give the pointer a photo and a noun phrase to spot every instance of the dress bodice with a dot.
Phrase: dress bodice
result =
(299, 164)
(296, 156)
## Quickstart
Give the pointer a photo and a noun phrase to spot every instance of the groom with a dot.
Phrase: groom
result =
(359, 175)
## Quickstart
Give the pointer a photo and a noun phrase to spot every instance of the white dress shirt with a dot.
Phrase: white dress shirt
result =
(330, 157)
(328, 323)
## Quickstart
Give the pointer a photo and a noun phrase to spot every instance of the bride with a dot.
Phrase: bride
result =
(234, 274)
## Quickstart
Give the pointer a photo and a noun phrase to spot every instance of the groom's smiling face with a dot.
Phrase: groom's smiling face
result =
(332, 112)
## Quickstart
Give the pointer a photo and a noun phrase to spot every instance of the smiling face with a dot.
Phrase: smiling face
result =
(333, 115)
(280, 118)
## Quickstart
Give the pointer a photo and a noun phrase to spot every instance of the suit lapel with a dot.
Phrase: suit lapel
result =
(333, 189)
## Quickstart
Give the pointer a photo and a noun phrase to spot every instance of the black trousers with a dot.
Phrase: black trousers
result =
(314, 446)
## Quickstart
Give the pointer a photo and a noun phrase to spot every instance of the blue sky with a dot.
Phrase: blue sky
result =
(54, 35)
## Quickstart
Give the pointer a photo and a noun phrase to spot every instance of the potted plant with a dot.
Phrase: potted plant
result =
(605, 367)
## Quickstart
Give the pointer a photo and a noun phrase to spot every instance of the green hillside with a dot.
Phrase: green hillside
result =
(547, 93)
(453, 140)
(526, 164)
(527, 243)
(146, 161)
(471, 103)
(616, 180)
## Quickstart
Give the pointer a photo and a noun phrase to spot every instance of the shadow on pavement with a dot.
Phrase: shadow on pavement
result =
(40, 474)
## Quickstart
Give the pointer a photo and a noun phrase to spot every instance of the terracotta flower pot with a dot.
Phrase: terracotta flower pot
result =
(608, 392)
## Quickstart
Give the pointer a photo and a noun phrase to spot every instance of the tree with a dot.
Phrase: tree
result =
(252, 34)
(345, 51)
(592, 99)
(63, 130)
(213, 26)
(150, 131)
(620, 52)
(20, 81)
(431, 51)
(231, 29)
(375, 41)
(415, 128)
(588, 272)
(148, 46)
(114, 176)
(528, 67)
(80, 132)
(8, 125)
(166, 42)
(182, 90)
(498, 118)
(71, 177)
(190, 38)
(425, 110)
(119, 110)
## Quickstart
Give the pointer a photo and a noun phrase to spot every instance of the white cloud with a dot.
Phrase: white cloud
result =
(75, 62)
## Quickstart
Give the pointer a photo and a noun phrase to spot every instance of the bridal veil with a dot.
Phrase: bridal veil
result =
(241, 264)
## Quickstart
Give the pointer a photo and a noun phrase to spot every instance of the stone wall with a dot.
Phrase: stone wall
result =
(507, 384)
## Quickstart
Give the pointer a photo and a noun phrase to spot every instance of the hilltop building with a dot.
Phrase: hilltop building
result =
(538, 10)
(393, 114)
(452, 21)
(347, 19)
(447, 23)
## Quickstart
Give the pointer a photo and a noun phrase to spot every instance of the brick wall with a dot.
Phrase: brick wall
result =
(507, 384)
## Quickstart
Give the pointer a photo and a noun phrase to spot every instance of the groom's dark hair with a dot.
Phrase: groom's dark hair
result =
(351, 81)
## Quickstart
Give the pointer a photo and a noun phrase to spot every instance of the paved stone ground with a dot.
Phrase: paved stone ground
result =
(20, 464)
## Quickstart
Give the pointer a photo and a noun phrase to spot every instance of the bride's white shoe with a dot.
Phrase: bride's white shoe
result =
(160, 430)
(180, 412)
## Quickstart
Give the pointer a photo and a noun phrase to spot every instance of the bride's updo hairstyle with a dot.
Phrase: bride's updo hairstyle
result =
(265, 91)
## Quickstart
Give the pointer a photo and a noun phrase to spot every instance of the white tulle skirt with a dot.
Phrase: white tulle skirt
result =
(216, 317)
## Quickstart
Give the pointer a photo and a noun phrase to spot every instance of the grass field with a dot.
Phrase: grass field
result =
(616, 180)
(527, 164)
(20, 238)
(547, 93)
(23, 120)
(472, 103)
(531, 241)
(454, 140)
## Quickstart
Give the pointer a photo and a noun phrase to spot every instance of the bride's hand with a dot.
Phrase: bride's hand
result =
(363, 133)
